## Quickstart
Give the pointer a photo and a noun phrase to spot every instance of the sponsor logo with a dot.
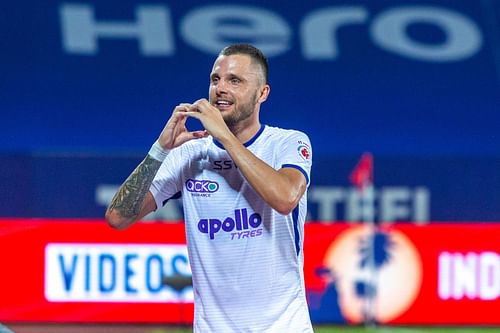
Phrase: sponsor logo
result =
(114, 272)
(365, 267)
(200, 28)
(224, 165)
(304, 152)
(202, 186)
(471, 275)
(241, 225)
(389, 204)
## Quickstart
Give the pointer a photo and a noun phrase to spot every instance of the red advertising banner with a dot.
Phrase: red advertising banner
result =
(85, 271)
(432, 274)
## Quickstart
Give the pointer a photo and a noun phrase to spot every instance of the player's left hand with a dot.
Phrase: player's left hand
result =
(210, 117)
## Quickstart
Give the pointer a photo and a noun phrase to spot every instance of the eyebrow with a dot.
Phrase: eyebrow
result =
(229, 75)
(234, 76)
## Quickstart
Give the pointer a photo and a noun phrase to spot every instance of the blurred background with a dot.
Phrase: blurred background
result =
(87, 86)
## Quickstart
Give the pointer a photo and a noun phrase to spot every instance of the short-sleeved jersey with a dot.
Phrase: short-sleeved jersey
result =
(246, 258)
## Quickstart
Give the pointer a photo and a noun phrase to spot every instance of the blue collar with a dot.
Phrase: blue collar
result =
(246, 144)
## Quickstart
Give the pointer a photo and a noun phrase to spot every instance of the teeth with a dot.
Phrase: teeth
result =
(223, 102)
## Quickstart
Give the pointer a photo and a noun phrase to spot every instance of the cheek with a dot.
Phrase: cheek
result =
(246, 95)
(212, 93)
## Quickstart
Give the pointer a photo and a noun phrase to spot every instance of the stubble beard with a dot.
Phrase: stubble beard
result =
(241, 113)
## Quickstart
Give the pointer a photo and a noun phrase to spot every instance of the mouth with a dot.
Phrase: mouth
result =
(223, 104)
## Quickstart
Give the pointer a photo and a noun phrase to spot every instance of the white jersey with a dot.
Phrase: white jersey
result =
(246, 258)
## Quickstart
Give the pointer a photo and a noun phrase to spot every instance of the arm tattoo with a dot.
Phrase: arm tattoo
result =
(129, 198)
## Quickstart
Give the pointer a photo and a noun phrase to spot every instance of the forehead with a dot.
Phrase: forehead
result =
(238, 64)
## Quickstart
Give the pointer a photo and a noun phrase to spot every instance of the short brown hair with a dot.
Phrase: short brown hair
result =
(250, 50)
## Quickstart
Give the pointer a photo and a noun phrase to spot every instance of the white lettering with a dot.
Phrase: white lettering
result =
(471, 275)
(114, 273)
(327, 199)
(210, 28)
(388, 204)
(463, 38)
(319, 30)
(360, 205)
(421, 205)
(444, 275)
(464, 271)
(489, 276)
(394, 204)
(213, 27)
(80, 31)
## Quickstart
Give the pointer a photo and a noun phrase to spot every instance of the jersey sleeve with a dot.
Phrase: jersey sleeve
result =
(167, 182)
(295, 151)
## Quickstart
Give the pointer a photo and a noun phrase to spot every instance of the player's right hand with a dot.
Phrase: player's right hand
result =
(175, 132)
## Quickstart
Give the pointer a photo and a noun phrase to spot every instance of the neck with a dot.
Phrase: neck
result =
(245, 131)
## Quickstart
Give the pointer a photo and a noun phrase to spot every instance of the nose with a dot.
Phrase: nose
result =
(221, 87)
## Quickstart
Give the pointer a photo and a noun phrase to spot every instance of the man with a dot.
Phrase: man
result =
(243, 186)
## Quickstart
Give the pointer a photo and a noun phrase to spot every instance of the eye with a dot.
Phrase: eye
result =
(235, 81)
(214, 79)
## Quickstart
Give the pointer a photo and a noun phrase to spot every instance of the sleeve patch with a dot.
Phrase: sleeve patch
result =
(304, 150)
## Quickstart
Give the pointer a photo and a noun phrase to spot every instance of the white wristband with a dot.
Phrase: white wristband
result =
(157, 152)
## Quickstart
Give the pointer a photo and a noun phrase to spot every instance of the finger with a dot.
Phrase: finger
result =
(204, 102)
(193, 114)
(187, 136)
(201, 105)
(182, 120)
(177, 118)
(180, 113)
(200, 134)
(183, 107)
(194, 108)
(201, 100)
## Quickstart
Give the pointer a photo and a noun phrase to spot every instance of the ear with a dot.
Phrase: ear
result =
(264, 92)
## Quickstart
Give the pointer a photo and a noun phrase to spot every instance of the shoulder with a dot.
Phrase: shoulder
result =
(282, 134)
(289, 141)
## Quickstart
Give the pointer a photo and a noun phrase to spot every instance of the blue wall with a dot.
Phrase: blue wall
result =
(416, 84)
(365, 97)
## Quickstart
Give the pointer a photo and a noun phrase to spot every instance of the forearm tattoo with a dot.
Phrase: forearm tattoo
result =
(129, 198)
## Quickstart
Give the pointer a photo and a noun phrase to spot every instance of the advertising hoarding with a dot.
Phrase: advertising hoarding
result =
(85, 271)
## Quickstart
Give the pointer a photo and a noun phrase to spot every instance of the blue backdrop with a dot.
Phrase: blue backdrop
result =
(411, 83)
(441, 96)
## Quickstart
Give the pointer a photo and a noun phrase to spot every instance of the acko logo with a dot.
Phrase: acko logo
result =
(202, 186)
(238, 225)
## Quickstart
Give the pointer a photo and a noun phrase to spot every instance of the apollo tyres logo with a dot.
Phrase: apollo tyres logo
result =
(240, 225)
(201, 188)
(375, 273)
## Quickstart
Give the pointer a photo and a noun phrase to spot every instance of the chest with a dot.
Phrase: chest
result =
(216, 178)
